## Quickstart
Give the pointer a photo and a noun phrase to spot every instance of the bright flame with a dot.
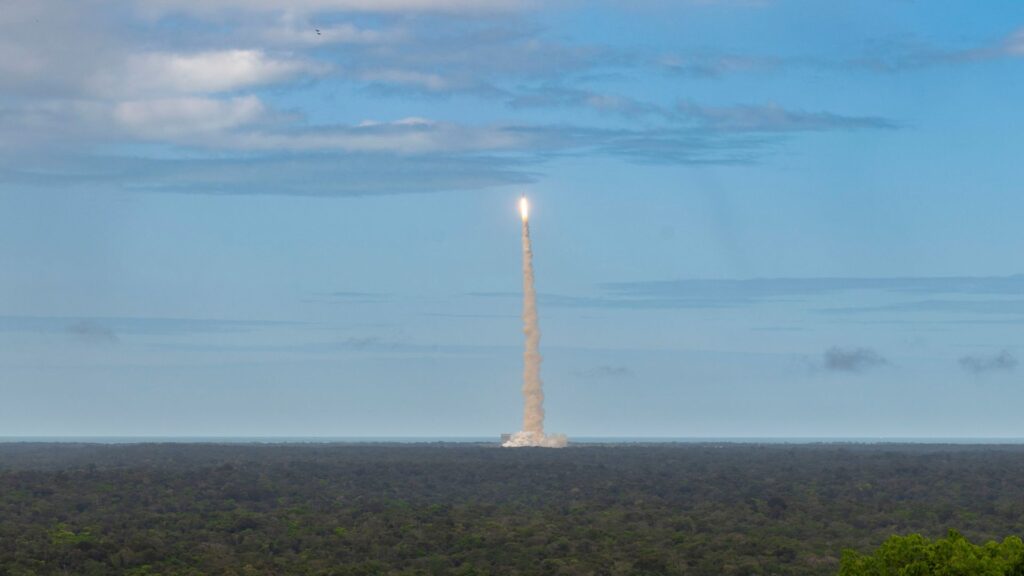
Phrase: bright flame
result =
(524, 208)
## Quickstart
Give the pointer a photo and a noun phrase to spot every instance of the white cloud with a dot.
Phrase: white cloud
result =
(165, 73)
(186, 117)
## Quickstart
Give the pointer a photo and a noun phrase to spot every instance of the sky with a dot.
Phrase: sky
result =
(750, 218)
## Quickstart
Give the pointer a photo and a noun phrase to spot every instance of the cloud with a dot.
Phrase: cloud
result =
(323, 175)
(434, 55)
(243, 125)
(309, 34)
(88, 330)
(156, 8)
(1004, 361)
(560, 96)
(606, 372)
(409, 136)
(1013, 45)
(774, 118)
(109, 328)
(898, 56)
(770, 118)
(119, 81)
(746, 291)
(974, 307)
(853, 360)
(173, 119)
(350, 297)
(429, 81)
(168, 73)
(728, 293)
(713, 66)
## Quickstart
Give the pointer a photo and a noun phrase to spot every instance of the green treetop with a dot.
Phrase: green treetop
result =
(915, 555)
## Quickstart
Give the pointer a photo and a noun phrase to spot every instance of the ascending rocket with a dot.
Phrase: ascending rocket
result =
(524, 207)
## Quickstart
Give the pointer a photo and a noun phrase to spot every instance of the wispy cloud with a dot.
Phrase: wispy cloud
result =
(722, 293)
(323, 175)
(770, 118)
(88, 330)
(774, 118)
(606, 372)
(997, 306)
(447, 155)
(561, 96)
(755, 289)
(902, 56)
(110, 328)
(853, 360)
(306, 33)
(351, 297)
(217, 7)
(1004, 361)
(714, 65)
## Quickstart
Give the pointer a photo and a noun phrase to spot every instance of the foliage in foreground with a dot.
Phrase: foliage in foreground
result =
(915, 555)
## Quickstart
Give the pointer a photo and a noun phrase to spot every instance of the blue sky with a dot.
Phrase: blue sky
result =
(750, 218)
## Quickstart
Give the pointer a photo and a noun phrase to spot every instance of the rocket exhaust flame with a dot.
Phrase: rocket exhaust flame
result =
(532, 433)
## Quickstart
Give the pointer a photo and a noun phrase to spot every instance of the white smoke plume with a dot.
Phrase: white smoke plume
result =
(532, 433)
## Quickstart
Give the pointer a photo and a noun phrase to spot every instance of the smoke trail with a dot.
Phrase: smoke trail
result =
(532, 433)
(533, 392)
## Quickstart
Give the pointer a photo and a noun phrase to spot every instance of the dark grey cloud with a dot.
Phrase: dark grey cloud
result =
(91, 331)
(1004, 361)
(854, 360)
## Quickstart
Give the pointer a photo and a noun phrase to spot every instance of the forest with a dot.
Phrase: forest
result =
(436, 508)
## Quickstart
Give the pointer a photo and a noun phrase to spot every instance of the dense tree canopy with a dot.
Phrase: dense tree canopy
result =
(689, 509)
